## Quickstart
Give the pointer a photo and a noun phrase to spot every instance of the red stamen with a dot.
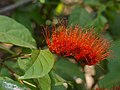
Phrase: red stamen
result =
(81, 45)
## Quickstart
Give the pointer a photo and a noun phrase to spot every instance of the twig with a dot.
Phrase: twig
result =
(11, 71)
(16, 76)
(12, 57)
(15, 56)
(29, 84)
(14, 6)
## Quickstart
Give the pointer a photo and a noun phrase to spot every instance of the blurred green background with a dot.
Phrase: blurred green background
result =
(103, 15)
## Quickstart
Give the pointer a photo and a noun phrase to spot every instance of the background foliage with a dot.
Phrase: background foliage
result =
(25, 61)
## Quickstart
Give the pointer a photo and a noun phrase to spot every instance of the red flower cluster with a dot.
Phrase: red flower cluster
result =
(82, 45)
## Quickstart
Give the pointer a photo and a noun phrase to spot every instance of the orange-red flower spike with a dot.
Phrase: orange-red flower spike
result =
(84, 46)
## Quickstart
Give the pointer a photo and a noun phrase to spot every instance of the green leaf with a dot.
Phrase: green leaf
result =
(101, 69)
(42, 1)
(12, 65)
(113, 77)
(114, 24)
(92, 2)
(6, 49)
(7, 84)
(56, 79)
(68, 70)
(37, 16)
(40, 64)
(59, 8)
(61, 87)
(44, 83)
(23, 63)
(98, 23)
(23, 17)
(79, 16)
(15, 33)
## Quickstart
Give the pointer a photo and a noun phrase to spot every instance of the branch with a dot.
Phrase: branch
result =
(14, 6)
(16, 76)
